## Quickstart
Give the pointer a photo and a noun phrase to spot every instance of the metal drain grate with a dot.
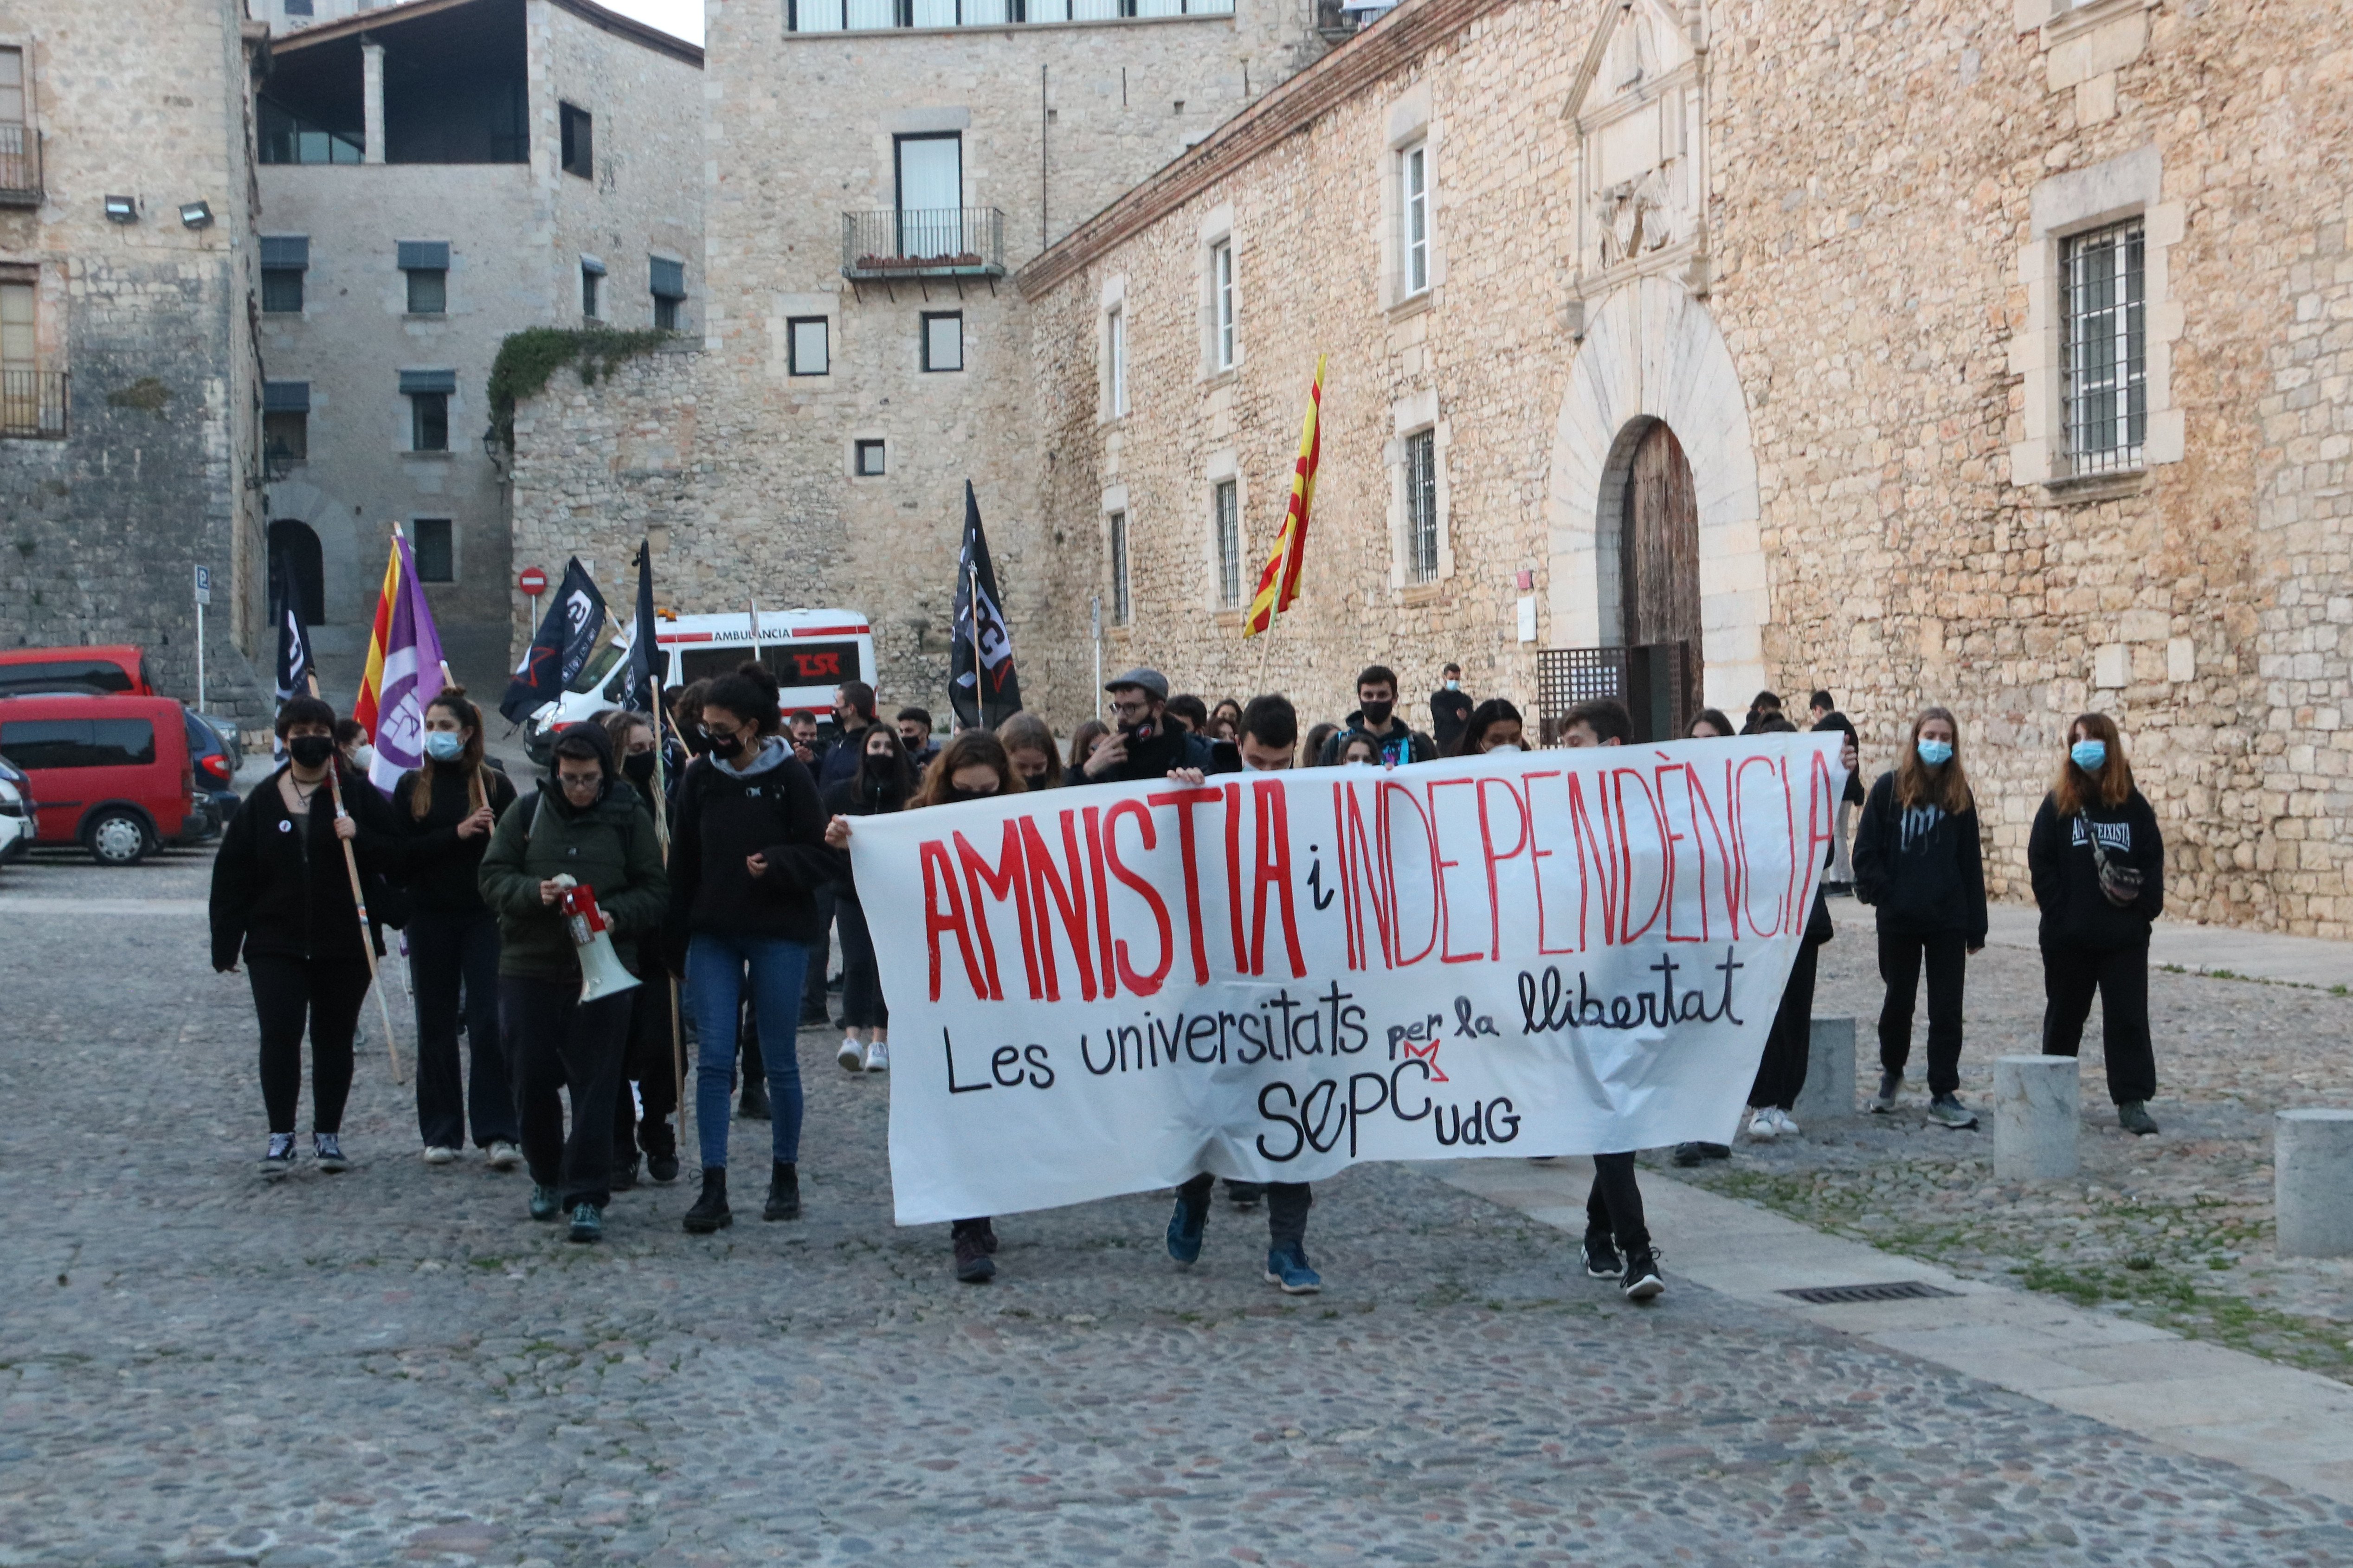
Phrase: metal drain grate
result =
(1844, 1295)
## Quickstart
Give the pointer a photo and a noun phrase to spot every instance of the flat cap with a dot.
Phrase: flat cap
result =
(1151, 680)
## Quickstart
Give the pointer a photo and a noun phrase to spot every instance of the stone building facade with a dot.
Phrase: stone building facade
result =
(129, 389)
(434, 177)
(870, 188)
(2006, 353)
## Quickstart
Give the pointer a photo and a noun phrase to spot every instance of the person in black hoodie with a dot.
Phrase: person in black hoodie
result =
(1394, 741)
(1146, 746)
(885, 782)
(746, 861)
(1917, 858)
(642, 1122)
(281, 898)
(446, 810)
(2094, 929)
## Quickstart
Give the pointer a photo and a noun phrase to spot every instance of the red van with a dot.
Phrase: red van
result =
(116, 670)
(110, 773)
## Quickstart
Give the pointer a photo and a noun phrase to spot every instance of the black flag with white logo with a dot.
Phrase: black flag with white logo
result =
(981, 682)
(294, 665)
(567, 634)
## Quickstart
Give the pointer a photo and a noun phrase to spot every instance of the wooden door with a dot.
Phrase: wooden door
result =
(1660, 553)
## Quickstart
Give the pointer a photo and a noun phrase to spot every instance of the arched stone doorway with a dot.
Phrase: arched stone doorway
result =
(294, 552)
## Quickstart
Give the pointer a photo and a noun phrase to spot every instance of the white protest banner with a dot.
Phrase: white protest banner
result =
(1270, 977)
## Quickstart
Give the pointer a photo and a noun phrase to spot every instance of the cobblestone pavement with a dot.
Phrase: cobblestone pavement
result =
(2175, 1230)
(396, 1365)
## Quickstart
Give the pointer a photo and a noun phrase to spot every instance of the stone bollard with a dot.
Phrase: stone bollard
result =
(2036, 1100)
(1829, 1094)
(2312, 1181)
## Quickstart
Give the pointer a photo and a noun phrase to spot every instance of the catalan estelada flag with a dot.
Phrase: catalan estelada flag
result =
(403, 670)
(1277, 585)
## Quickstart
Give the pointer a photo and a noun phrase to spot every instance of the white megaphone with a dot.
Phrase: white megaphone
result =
(601, 972)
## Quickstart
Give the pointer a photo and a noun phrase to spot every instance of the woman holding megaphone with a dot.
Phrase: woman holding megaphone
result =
(567, 871)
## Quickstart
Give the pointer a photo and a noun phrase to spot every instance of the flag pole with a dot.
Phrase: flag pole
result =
(662, 837)
(359, 902)
(979, 706)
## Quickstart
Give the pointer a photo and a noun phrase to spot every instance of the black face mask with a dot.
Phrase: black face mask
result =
(310, 751)
(1141, 730)
(640, 767)
(697, 743)
(957, 792)
(726, 746)
(1379, 712)
(882, 766)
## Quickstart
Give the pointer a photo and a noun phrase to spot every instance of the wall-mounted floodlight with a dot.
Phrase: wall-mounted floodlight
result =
(122, 209)
(195, 215)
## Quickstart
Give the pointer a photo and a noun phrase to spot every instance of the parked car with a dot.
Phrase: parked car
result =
(112, 773)
(114, 670)
(214, 756)
(16, 812)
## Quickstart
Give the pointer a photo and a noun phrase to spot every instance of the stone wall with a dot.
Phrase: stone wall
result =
(99, 530)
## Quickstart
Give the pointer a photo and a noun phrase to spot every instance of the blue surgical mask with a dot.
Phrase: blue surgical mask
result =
(2090, 756)
(1935, 754)
(444, 745)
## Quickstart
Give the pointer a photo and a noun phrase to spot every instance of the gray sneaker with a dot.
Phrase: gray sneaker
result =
(1889, 1084)
(2133, 1117)
(1947, 1111)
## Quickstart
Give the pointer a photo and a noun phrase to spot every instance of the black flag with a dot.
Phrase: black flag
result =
(989, 656)
(648, 665)
(566, 636)
(294, 665)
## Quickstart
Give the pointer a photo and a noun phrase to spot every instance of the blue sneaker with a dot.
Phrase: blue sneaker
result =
(1186, 1228)
(544, 1202)
(1286, 1268)
(588, 1223)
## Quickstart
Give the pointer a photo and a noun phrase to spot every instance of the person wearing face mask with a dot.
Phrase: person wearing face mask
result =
(447, 809)
(746, 863)
(885, 782)
(2097, 861)
(1449, 711)
(1146, 746)
(1030, 744)
(1090, 733)
(1376, 718)
(641, 1120)
(1493, 726)
(971, 766)
(281, 900)
(1918, 861)
(1269, 743)
(585, 824)
(351, 742)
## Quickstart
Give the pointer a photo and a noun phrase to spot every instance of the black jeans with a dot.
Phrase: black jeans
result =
(861, 978)
(1781, 1071)
(554, 1042)
(328, 994)
(1287, 1203)
(647, 1061)
(448, 953)
(813, 1005)
(2120, 976)
(1900, 956)
(1614, 1208)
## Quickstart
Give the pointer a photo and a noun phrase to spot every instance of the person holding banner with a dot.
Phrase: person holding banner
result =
(579, 826)
(281, 900)
(1918, 860)
(1030, 744)
(885, 782)
(648, 1061)
(447, 807)
(746, 860)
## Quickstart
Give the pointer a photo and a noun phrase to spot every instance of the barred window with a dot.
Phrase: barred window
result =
(1229, 546)
(2103, 275)
(1121, 606)
(1422, 506)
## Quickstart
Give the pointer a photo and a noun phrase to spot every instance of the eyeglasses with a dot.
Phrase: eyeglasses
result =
(1131, 708)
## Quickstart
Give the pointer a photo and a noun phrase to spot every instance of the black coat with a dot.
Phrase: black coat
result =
(1923, 868)
(858, 796)
(2075, 913)
(281, 888)
(723, 819)
(1169, 747)
(440, 872)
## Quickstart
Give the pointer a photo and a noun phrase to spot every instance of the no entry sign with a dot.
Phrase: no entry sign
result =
(532, 581)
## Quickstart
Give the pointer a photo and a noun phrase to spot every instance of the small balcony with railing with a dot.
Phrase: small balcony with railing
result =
(32, 403)
(917, 243)
(20, 165)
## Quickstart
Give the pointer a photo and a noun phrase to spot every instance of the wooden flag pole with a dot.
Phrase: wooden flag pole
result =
(979, 706)
(662, 837)
(359, 902)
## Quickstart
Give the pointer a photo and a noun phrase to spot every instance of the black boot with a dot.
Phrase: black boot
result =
(783, 1192)
(754, 1106)
(709, 1212)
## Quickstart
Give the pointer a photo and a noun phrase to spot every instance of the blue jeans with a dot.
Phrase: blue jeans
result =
(715, 967)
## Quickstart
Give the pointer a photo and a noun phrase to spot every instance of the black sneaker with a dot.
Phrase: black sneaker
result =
(974, 1266)
(661, 1169)
(1690, 1154)
(1245, 1195)
(709, 1212)
(625, 1176)
(1890, 1085)
(783, 1192)
(1642, 1282)
(988, 1236)
(2133, 1118)
(755, 1104)
(1947, 1111)
(328, 1150)
(588, 1223)
(545, 1203)
(1599, 1256)
(278, 1162)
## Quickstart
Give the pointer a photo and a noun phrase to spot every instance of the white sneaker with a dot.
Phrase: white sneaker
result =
(878, 1057)
(851, 1056)
(1781, 1119)
(1762, 1128)
(438, 1154)
(505, 1156)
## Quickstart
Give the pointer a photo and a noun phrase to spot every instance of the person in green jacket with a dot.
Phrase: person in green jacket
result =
(585, 823)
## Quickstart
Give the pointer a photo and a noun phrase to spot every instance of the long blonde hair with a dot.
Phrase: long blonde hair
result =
(1951, 789)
